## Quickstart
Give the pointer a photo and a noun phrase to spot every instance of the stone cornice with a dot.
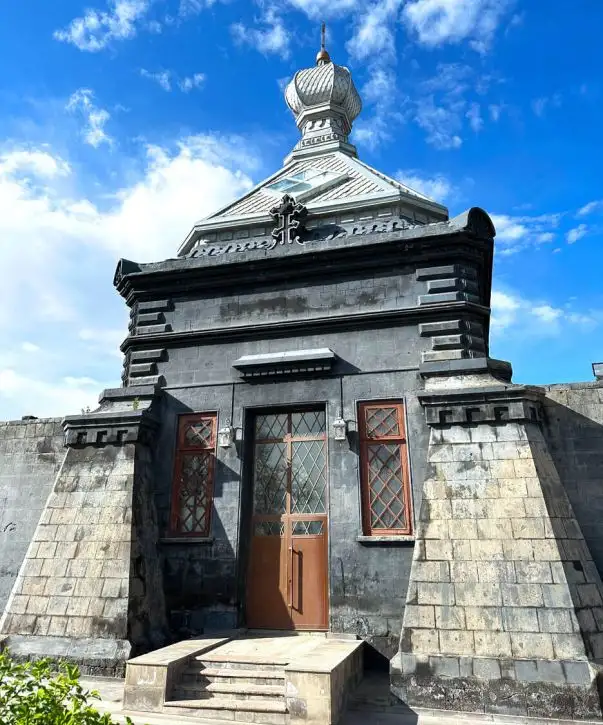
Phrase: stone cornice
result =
(418, 245)
(497, 404)
(353, 321)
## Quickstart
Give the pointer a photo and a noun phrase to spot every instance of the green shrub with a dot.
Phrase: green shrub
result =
(45, 693)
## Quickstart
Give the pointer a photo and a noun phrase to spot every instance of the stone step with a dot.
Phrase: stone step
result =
(238, 691)
(232, 675)
(240, 663)
(267, 712)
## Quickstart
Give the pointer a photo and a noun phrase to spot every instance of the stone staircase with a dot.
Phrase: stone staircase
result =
(245, 690)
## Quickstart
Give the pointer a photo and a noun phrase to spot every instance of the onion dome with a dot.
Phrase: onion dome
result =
(325, 102)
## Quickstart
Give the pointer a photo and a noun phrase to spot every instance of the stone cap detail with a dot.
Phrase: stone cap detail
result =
(488, 404)
(124, 416)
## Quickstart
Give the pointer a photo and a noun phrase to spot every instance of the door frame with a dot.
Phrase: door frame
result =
(246, 499)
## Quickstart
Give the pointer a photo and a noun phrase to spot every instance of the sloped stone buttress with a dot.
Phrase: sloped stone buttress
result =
(504, 612)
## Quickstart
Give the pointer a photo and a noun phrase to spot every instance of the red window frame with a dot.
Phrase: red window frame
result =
(188, 446)
(395, 437)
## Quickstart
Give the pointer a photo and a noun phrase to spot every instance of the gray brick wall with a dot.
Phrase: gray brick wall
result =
(31, 453)
(574, 432)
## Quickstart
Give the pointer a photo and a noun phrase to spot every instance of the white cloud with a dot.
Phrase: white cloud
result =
(514, 233)
(162, 78)
(195, 81)
(96, 118)
(514, 314)
(96, 29)
(375, 31)
(541, 105)
(437, 187)
(576, 233)
(475, 118)
(320, 9)
(495, 111)
(436, 22)
(63, 291)
(274, 39)
(591, 207)
(442, 125)
(30, 347)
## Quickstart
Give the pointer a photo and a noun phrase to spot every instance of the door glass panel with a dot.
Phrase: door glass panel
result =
(308, 528)
(270, 480)
(270, 427)
(382, 422)
(308, 423)
(308, 477)
(385, 480)
(269, 528)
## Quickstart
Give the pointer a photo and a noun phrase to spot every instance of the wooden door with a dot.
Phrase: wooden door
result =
(287, 577)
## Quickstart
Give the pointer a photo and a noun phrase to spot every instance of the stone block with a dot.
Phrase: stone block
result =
(496, 571)
(492, 644)
(568, 646)
(513, 487)
(556, 596)
(431, 571)
(429, 593)
(57, 606)
(444, 666)
(551, 671)
(522, 595)
(423, 640)
(577, 673)
(521, 550)
(520, 619)
(546, 550)
(461, 550)
(557, 620)
(459, 642)
(464, 571)
(532, 645)
(478, 594)
(528, 528)
(486, 550)
(438, 550)
(486, 618)
(419, 616)
(505, 508)
(467, 508)
(535, 507)
(449, 617)
(494, 529)
(486, 669)
(526, 671)
(462, 529)
(590, 595)
(533, 572)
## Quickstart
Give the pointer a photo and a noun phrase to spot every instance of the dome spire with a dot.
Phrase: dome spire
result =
(323, 57)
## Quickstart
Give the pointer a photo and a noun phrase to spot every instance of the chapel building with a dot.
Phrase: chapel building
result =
(312, 436)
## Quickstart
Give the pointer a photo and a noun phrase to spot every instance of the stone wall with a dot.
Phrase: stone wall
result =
(574, 432)
(31, 452)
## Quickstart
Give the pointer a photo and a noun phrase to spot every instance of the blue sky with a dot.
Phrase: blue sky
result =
(124, 121)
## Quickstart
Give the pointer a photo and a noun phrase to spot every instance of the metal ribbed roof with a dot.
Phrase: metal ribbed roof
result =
(361, 180)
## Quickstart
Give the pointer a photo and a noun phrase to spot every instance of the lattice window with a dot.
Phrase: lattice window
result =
(386, 507)
(192, 494)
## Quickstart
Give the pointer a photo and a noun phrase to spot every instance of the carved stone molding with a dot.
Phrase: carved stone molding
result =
(495, 404)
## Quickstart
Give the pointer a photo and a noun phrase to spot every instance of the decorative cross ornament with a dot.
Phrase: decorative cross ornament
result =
(288, 217)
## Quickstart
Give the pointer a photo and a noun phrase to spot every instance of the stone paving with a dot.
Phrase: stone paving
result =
(376, 687)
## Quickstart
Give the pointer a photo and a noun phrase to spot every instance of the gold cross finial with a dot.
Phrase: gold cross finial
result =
(323, 57)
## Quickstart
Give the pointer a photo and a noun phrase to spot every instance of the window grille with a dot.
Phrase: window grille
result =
(385, 481)
(192, 493)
